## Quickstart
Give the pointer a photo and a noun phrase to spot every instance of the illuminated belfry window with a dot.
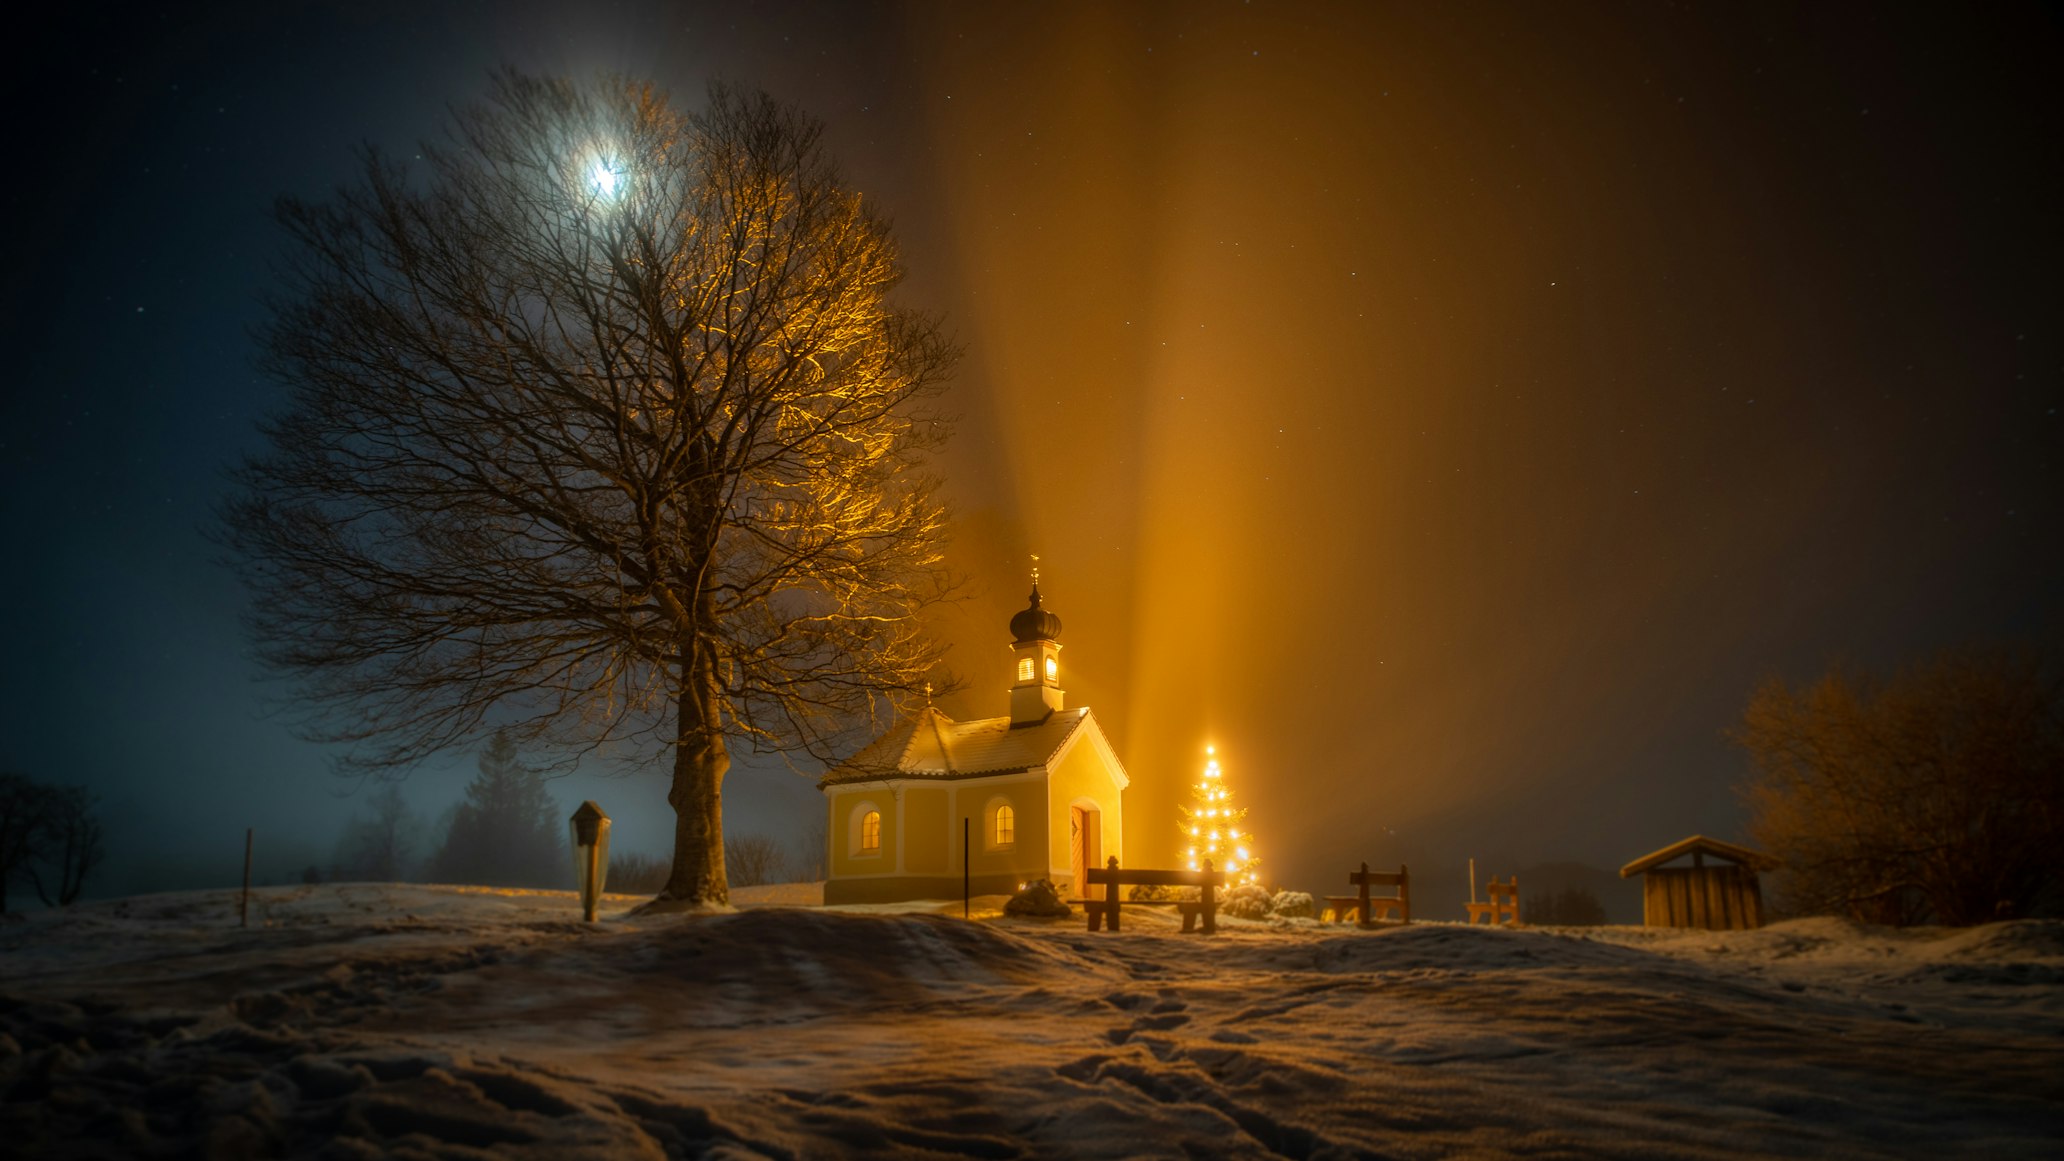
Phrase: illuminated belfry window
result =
(870, 832)
(1035, 645)
(1006, 826)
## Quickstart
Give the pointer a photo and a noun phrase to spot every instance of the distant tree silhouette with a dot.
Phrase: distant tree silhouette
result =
(752, 859)
(635, 874)
(379, 845)
(23, 805)
(812, 847)
(508, 830)
(1569, 907)
(71, 846)
(50, 836)
(1935, 796)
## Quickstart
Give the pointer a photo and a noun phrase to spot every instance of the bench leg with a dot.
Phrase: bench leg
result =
(1189, 921)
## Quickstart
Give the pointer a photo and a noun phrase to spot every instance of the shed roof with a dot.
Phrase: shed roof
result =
(1703, 845)
(929, 744)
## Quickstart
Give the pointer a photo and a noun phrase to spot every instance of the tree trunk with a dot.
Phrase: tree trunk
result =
(700, 760)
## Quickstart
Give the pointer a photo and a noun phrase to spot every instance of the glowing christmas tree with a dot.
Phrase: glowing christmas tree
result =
(1211, 827)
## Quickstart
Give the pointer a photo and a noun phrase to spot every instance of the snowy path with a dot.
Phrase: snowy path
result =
(376, 1020)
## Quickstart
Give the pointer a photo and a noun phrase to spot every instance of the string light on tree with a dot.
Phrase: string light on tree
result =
(1212, 827)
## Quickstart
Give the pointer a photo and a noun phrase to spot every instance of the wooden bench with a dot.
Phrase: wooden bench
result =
(1099, 910)
(1111, 878)
(1503, 906)
(1367, 908)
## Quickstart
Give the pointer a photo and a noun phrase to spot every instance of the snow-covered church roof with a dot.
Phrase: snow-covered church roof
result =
(931, 745)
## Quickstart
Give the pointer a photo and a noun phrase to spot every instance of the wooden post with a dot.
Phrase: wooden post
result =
(1472, 880)
(1210, 903)
(966, 879)
(591, 900)
(244, 904)
(1362, 916)
(1111, 896)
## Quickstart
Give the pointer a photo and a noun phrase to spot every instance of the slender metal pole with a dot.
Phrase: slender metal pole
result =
(966, 883)
(244, 904)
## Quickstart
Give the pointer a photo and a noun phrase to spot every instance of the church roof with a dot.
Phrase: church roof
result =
(931, 745)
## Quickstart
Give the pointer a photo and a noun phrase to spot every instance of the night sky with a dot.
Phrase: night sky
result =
(1450, 412)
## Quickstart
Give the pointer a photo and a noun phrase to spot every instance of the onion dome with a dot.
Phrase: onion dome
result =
(1034, 623)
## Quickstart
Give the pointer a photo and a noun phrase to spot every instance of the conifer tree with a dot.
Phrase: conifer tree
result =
(508, 832)
(1212, 827)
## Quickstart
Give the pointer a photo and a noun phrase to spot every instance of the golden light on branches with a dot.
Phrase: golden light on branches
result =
(602, 430)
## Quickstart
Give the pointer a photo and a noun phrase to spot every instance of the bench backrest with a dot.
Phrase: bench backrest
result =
(1112, 874)
(1151, 878)
(1367, 877)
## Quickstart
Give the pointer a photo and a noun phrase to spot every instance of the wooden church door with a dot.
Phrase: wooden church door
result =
(1085, 846)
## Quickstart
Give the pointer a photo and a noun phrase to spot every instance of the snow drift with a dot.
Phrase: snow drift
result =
(383, 1020)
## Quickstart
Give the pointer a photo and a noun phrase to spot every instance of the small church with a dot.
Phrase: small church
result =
(1038, 792)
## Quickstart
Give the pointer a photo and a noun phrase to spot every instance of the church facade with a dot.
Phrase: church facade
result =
(1037, 792)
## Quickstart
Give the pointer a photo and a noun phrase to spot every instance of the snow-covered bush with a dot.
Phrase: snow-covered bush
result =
(1293, 905)
(1247, 901)
(1040, 899)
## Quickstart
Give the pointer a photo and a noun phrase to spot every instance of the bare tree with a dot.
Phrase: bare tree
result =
(753, 859)
(602, 430)
(813, 847)
(70, 847)
(50, 836)
(24, 807)
(1935, 796)
(380, 844)
(631, 873)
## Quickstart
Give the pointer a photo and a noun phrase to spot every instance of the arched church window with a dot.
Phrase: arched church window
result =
(864, 838)
(1024, 669)
(1006, 826)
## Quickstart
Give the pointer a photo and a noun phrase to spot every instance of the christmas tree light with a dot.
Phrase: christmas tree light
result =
(1211, 827)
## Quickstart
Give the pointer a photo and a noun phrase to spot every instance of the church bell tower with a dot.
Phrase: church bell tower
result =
(1035, 692)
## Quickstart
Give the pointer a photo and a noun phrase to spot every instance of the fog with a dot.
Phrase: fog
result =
(1450, 416)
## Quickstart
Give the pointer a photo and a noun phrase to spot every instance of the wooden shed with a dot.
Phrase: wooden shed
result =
(1725, 896)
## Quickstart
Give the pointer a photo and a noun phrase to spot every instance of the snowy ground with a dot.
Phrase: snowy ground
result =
(381, 1020)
